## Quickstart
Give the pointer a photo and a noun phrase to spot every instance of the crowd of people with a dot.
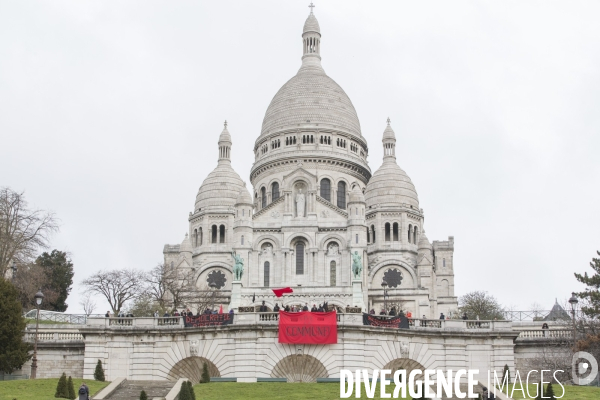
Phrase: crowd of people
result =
(174, 313)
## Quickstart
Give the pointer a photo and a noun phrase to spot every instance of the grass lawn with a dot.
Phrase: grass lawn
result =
(274, 391)
(571, 392)
(40, 389)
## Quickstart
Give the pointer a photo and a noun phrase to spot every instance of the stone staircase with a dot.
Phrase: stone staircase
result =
(129, 390)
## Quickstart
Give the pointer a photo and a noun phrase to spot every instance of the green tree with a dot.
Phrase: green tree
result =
(592, 292)
(62, 391)
(70, 388)
(184, 392)
(192, 393)
(99, 372)
(480, 304)
(58, 269)
(143, 395)
(205, 378)
(13, 351)
(549, 394)
(540, 393)
(144, 306)
(506, 373)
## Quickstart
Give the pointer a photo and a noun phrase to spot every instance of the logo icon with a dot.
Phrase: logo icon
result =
(584, 364)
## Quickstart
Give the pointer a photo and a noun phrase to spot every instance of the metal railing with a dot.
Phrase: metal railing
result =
(61, 318)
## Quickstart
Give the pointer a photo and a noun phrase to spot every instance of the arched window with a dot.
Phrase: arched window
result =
(341, 195)
(356, 238)
(445, 288)
(274, 191)
(214, 234)
(387, 231)
(267, 274)
(222, 234)
(443, 262)
(332, 274)
(326, 189)
(395, 232)
(263, 194)
(415, 234)
(300, 258)
(242, 240)
(373, 233)
(410, 233)
(368, 235)
(200, 236)
(195, 237)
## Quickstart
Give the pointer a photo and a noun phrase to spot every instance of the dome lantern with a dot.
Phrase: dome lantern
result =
(311, 36)
(225, 145)
(389, 142)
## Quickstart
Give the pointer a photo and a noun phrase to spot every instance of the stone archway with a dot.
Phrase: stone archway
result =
(405, 364)
(191, 368)
(299, 368)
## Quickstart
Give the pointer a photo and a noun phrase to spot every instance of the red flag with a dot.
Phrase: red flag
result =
(280, 292)
(221, 309)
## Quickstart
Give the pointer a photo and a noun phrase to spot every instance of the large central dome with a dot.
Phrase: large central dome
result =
(311, 97)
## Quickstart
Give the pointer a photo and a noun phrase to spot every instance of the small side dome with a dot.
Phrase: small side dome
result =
(388, 133)
(356, 195)
(244, 198)
(424, 244)
(311, 24)
(186, 246)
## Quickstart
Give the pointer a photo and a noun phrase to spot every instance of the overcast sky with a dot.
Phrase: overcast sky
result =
(110, 114)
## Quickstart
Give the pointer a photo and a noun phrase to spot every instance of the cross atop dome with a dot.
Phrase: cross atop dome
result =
(311, 6)
(388, 121)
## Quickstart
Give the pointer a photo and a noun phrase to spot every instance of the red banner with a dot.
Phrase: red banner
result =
(307, 327)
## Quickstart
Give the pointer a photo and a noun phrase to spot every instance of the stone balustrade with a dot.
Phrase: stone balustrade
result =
(54, 336)
(546, 334)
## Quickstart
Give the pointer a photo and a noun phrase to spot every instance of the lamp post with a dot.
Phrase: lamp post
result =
(213, 286)
(384, 285)
(573, 301)
(39, 296)
(14, 270)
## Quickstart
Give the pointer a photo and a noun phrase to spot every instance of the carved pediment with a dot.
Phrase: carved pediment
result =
(300, 171)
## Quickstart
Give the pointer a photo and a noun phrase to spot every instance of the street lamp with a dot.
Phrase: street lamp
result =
(14, 270)
(213, 286)
(39, 297)
(573, 301)
(384, 285)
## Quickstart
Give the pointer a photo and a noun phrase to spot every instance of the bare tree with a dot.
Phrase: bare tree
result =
(22, 231)
(117, 286)
(87, 304)
(203, 297)
(556, 356)
(30, 278)
(168, 285)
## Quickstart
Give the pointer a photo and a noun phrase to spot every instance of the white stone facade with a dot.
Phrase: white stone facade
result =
(314, 203)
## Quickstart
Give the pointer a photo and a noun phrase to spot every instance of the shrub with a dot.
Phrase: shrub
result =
(205, 375)
(70, 388)
(184, 392)
(549, 392)
(143, 395)
(506, 373)
(61, 388)
(192, 393)
(99, 372)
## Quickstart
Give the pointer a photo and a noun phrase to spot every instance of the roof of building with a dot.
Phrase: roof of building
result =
(557, 313)
(390, 185)
(311, 97)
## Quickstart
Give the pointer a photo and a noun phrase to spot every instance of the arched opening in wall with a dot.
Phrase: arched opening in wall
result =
(387, 231)
(326, 189)
(415, 235)
(242, 240)
(222, 234)
(200, 236)
(263, 195)
(395, 232)
(300, 258)
(368, 235)
(195, 237)
(341, 195)
(214, 234)
(444, 288)
(332, 274)
(443, 263)
(299, 368)
(191, 367)
(410, 229)
(274, 191)
(267, 273)
(373, 233)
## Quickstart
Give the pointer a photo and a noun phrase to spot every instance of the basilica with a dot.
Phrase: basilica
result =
(317, 219)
